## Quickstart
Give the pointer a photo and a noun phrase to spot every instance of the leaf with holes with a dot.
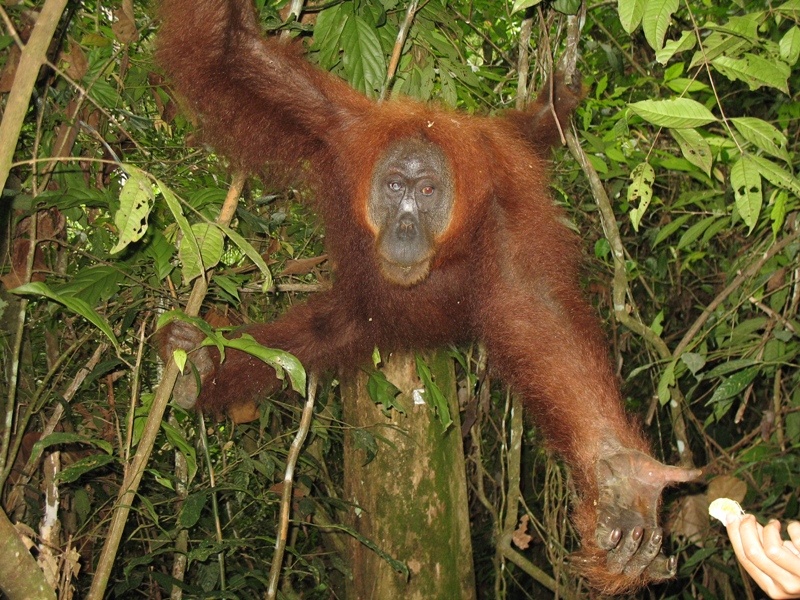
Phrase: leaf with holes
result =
(694, 148)
(776, 175)
(762, 135)
(641, 189)
(673, 47)
(135, 202)
(755, 71)
(679, 113)
(746, 184)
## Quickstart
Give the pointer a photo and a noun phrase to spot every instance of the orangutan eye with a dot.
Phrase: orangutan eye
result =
(427, 190)
(395, 186)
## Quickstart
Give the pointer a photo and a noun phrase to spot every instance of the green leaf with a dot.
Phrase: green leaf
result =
(641, 189)
(211, 241)
(679, 113)
(178, 441)
(227, 284)
(746, 184)
(328, 34)
(84, 465)
(694, 148)
(76, 305)
(383, 392)
(656, 19)
(191, 509)
(364, 440)
(730, 387)
(177, 214)
(179, 356)
(694, 361)
(364, 61)
(630, 14)
(762, 135)
(682, 85)
(433, 395)
(695, 231)
(778, 213)
(135, 202)
(729, 367)
(523, 4)
(94, 283)
(251, 253)
(790, 45)
(666, 381)
(280, 360)
(670, 228)
(755, 71)
(567, 7)
(673, 47)
(59, 438)
(776, 175)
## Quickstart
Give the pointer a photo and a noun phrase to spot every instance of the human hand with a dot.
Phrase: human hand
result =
(773, 563)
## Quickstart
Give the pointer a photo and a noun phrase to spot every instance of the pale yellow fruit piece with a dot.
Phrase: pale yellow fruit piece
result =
(722, 507)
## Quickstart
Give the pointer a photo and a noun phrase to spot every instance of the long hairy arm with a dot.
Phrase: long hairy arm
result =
(256, 99)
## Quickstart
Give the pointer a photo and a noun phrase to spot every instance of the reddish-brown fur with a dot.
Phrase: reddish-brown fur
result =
(505, 271)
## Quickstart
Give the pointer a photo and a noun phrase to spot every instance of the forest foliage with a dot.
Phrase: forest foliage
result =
(685, 194)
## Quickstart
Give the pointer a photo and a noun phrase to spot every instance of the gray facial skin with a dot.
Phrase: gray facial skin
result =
(411, 203)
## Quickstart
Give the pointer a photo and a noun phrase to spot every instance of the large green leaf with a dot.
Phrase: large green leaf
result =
(686, 42)
(630, 13)
(328, 34)
(694, 148)
(280, 360)
(775, 174)
(656, 19)
(523, 4)
(135, 202)
(763, 135)
(755, 71)
(76, 305)
(678, 113)
(211, 241)
(364, 61)
(790, 45)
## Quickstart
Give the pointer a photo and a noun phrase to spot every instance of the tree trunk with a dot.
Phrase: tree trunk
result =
(411, 500)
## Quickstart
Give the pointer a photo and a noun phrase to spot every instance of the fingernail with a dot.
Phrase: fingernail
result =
(656, 538)
(731, 518)
(672, 564)
(637, 533)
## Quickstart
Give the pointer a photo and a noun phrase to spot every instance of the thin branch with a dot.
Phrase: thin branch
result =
(288, 480)
(399, 43)
(11, 401)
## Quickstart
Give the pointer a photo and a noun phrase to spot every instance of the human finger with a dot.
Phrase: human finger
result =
(745, 534)
(793, 529)
(785, 567)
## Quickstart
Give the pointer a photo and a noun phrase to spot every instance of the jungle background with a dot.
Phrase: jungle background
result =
(681, 179)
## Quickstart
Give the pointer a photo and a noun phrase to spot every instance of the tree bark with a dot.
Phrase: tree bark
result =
(411, 500)
(20, 576)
